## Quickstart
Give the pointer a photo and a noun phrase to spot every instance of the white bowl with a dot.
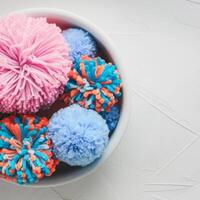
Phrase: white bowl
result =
(64, 18)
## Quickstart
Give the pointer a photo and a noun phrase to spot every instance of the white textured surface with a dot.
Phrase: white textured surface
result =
(159, 157)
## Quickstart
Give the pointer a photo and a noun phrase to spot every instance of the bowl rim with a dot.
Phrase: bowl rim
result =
(126, 103)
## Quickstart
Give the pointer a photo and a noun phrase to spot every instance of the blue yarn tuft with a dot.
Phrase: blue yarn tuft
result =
(112, 117)
(80, 43)
(79, 135)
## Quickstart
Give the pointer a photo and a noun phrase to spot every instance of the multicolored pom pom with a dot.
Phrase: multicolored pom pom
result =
(34, 61)
(79, 135)
(112, 117)
(93, 84)
(25, 151)
(80, 43)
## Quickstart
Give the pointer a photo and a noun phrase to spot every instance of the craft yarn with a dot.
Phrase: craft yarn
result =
(93, 84)
(79, 135)
(112, 117)
(25, 151)
(80, 43)
(34, 61)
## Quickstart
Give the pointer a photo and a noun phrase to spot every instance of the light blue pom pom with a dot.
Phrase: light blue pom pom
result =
(80, 43)
(112, 117)
(79, 135)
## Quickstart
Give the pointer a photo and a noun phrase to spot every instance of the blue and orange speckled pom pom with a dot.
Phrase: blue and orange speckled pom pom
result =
(93, 84)
(25, 151)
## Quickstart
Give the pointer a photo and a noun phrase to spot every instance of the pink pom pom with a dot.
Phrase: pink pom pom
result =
(34, 61)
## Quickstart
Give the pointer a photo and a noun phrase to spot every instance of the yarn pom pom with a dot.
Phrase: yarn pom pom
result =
(79, 135)
(93, 84)
(25, 150)
(112, 117)
(80, 43)
(33, 63)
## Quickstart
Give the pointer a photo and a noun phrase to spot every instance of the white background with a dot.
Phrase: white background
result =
(159, 156)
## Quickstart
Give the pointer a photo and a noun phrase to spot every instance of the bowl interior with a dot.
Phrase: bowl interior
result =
(64, 173)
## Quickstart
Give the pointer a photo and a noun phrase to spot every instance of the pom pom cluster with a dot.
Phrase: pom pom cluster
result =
(79, 135)
(93, 84)
(34, 61)
(25, 151)
(80, 43)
